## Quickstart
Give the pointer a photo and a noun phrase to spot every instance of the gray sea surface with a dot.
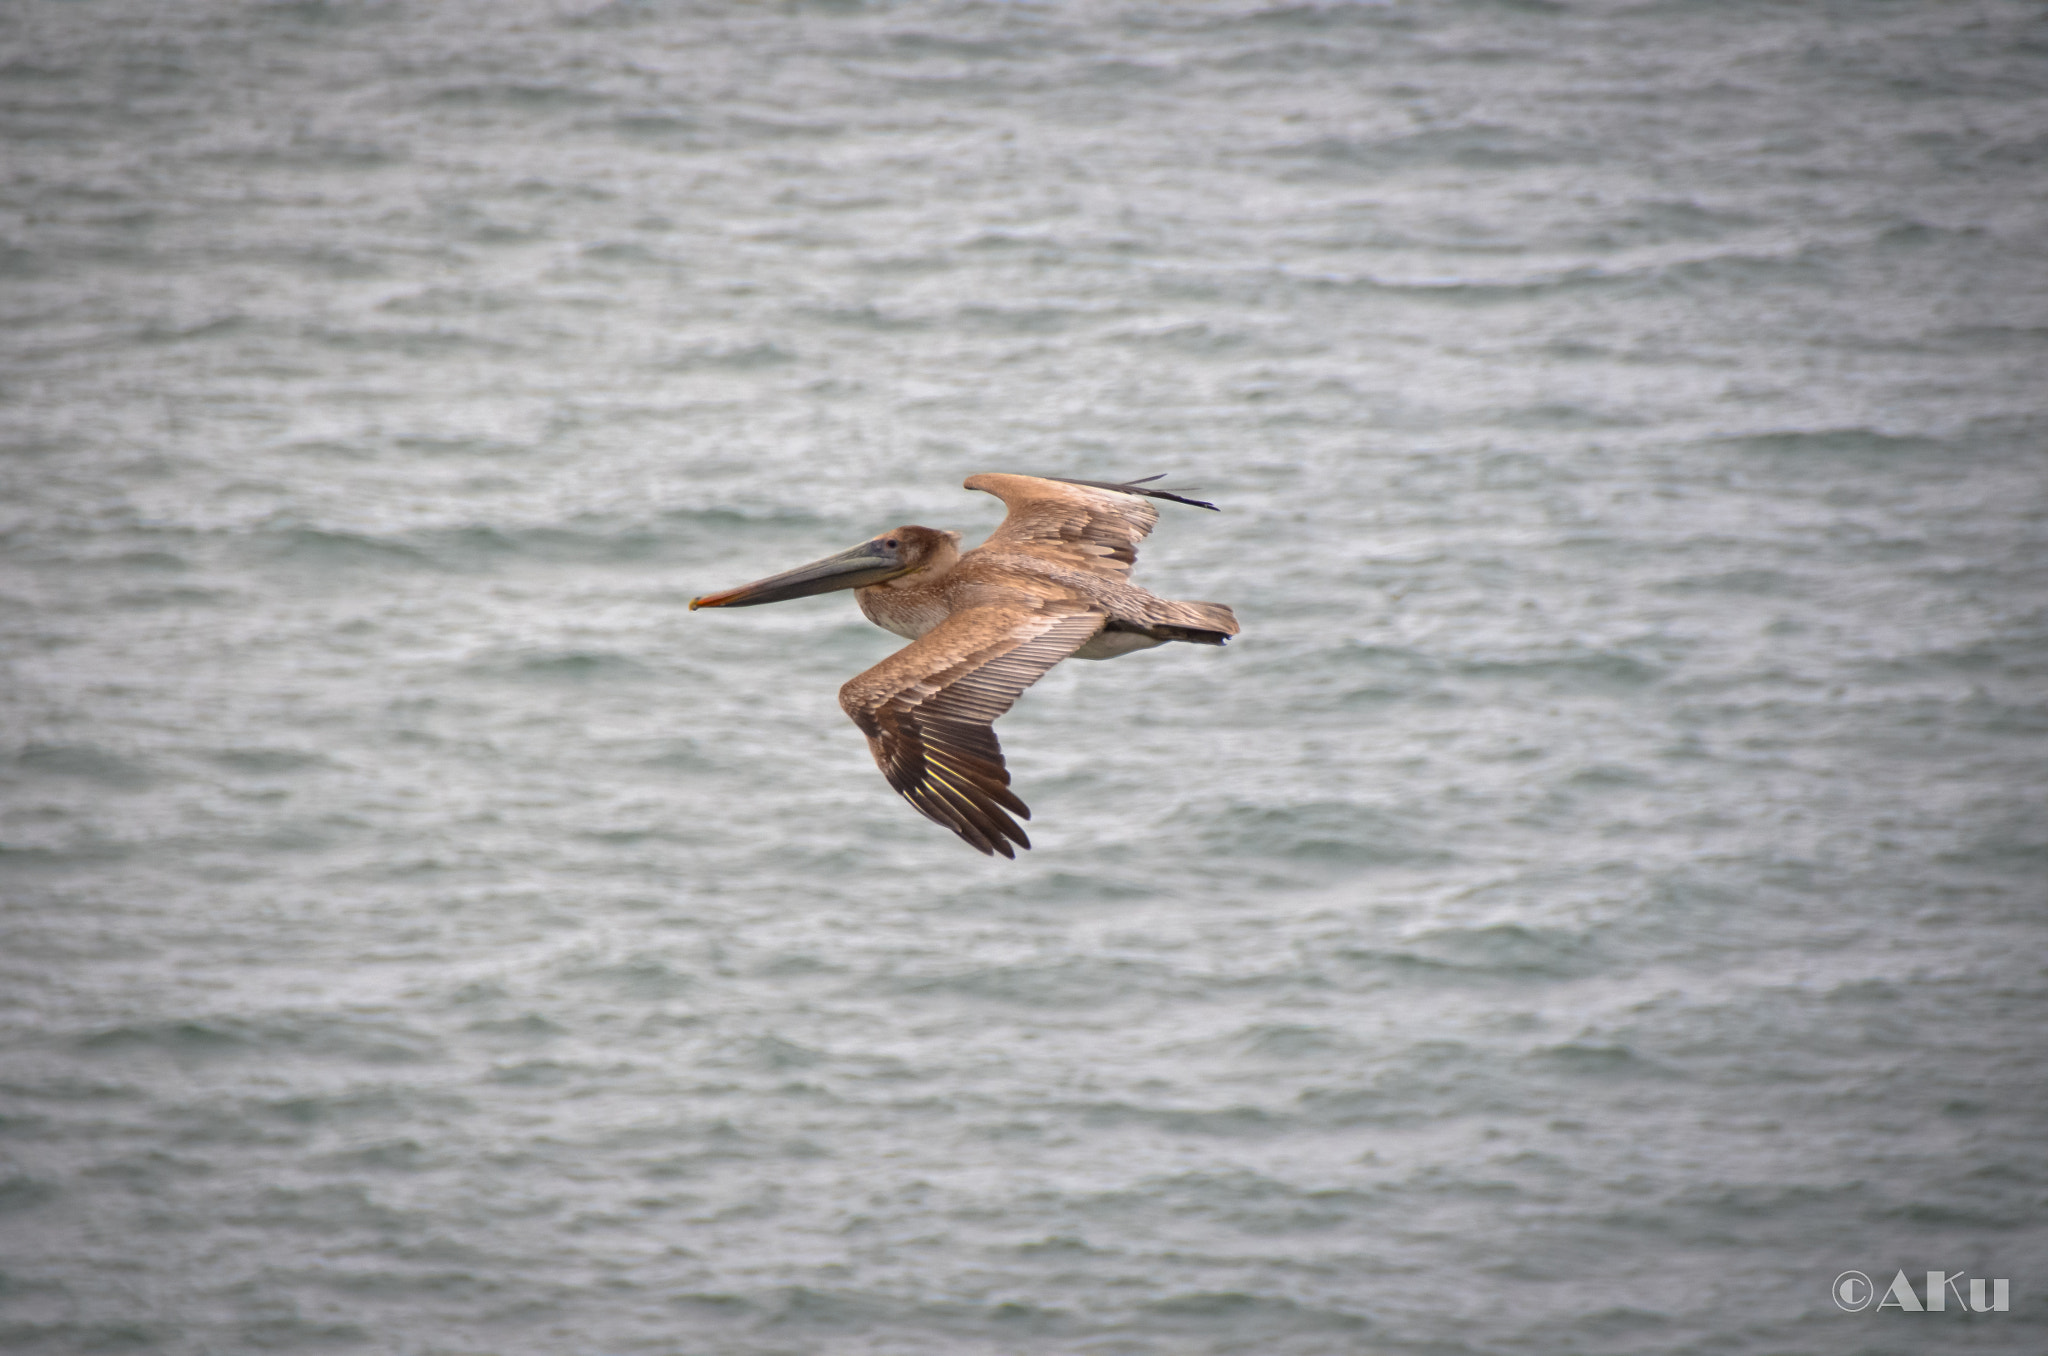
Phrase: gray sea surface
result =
(1600, 898)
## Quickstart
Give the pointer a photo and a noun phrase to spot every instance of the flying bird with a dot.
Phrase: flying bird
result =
(1052, 581)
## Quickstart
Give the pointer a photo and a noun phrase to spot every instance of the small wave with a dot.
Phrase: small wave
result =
(2030, 152)
(447, 301)
(1735, 269)
(1481, 956)
(629, 252)
(1244, 1200)
(474, 547)
(533, 1073)
(1196, 338)
(2007, 718)
(1058, 1245)
(1795, 1202)
(355, 1104)
(409, 343)
(19, 1192)
(1287, 1041)
(1519, 470)
(1995, 338)
(659, 126)
(325, 1210)
(302, 152)
(1335, 832)
(919, 44)
(617, 14)
(227, 326)
(771, 1054)
(167, 599)
(265, 762)
(1105, 885)
(1126, 72)
(1609, 777)
(1081, 983)
(1236, 1316)
(2012, 655)
(321, 13)
(997, 240)
(674, 755)
(26, 70)
(561, 666)
(1763, 583)
(1583, 1060)
(1601, 671)
(1475, 291)
(1476, 146)
(1016, 319)
(329, 548)
(2016, 850)
(723, 358)
(1620, 1324)
(492, 448)
(1876, 992)
(514, 95)
(1319, 16)
(1661, 220)
(1984, 1214)
(716, 1307)
(1714, 272)
(154, 559)
(637, 979)
(1508, 950)
(801, 1306)
(21, 858)
(867, 317)
(755, 127)
(357, 1039)
(1233, 1122)
(1834, 442)
(176, 1037)
(528, 1028)
(84, 762)
(1391, 659)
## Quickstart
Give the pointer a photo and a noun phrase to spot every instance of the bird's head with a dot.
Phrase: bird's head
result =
(897, 554)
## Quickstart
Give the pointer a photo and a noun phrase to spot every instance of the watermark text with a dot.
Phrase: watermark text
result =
(1972, 1294)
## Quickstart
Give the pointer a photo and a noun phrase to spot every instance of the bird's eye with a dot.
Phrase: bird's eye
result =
(891, 543)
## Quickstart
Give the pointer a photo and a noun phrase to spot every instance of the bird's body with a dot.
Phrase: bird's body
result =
(1051, 582)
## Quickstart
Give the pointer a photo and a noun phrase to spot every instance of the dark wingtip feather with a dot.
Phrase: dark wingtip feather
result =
(1134, 487)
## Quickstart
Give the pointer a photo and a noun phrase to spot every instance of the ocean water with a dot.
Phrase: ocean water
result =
(1601, 897)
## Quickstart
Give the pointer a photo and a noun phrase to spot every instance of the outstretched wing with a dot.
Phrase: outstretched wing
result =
(926, 711)
(1086, 524)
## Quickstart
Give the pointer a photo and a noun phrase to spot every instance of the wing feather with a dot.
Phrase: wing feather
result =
(1088, 525)
(927, 709)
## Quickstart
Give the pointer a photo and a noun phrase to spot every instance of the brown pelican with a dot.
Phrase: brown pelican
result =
(1052, 581)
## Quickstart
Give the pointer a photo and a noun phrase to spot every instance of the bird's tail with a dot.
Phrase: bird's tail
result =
(1196, 623)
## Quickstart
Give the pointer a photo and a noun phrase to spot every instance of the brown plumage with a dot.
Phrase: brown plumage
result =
(1052, 581)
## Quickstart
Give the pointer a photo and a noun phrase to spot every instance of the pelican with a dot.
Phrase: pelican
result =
(1052, 581)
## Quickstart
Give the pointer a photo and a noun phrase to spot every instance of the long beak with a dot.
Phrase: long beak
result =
(868, 563)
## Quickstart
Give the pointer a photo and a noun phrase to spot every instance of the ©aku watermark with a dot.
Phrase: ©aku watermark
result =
(1854, 1291)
